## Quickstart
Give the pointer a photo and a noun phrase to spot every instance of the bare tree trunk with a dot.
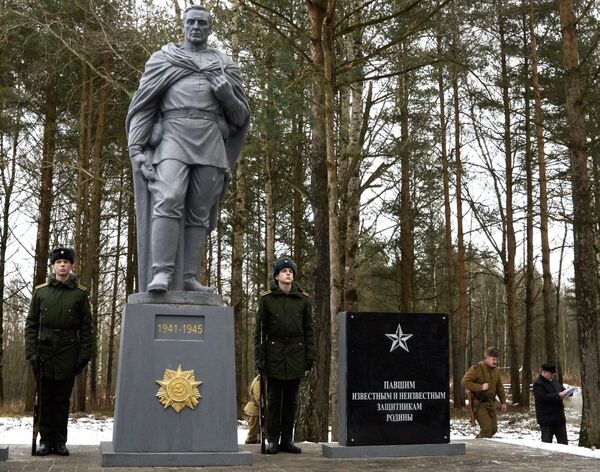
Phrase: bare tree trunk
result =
(114, 298)
(237, 251)
(459, 357)
(269, 217)
(529, 258)
(317, 418)
(407, 257)
(358, 127)
(586, 269)
(93, 246)
(549, 320)
(8, 171)
(297, 197)
(81, 210)
(511, 244)
(48, 150)
(335, 266)
(457, 393)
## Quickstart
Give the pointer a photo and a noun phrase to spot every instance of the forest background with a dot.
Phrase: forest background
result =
(410, 155)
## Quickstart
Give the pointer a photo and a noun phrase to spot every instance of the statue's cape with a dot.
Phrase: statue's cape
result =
(164, 68)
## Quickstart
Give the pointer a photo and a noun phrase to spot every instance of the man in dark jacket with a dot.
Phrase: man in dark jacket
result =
(58, 343)
(285, 350)
(549, 408)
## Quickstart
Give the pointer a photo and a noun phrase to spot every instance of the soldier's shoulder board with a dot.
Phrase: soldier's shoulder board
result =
(264, 293)
(41, 285)
(81, 287)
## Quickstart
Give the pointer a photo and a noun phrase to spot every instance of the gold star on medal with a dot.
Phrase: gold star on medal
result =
(399, 339)
(178, 389)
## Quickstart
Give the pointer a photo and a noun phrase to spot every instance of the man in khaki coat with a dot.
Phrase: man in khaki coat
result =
(484, 383)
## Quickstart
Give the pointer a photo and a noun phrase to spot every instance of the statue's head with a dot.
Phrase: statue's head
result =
(196, 24)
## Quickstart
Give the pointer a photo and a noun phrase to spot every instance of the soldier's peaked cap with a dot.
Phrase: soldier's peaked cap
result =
(62, 253)
(284, 263)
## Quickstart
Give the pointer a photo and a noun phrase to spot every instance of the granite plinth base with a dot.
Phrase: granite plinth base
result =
(110, 458)
(175, 397)
(336, 451)
(3, 453)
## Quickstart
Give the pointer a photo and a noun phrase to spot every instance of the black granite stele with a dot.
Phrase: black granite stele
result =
(393, 386)
(3, 453)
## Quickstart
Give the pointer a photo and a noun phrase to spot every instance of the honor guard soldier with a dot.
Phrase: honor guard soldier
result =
(484, 383)
(284, 350)
(58, 344)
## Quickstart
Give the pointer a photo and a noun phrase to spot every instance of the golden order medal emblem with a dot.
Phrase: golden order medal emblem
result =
(179, 388)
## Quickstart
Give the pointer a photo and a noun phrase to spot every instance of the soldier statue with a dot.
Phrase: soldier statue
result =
(186, 126)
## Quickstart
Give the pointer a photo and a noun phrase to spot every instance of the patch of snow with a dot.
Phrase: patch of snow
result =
(85, 430)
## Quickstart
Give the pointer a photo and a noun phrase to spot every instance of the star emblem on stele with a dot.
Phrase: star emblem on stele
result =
(399, 339)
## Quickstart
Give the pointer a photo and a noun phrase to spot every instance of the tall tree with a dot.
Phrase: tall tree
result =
(457, 371)
(586, 268)
(460, 320)
(316, 425)
(529, 259)
(8, 174)
(549, 319)
(511, 244)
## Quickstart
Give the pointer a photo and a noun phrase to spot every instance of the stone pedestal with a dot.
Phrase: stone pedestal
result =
(177, 353)
(393, 386)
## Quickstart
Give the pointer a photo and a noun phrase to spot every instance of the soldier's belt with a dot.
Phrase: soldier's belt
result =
(297, 339)
(193, 113)
(483, 397)
(59, 332)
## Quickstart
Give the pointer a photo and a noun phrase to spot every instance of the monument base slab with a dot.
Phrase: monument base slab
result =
(110, 458)
(175, 396)
(336, 451)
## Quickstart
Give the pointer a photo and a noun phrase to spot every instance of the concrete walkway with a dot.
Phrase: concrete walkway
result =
(481, 455)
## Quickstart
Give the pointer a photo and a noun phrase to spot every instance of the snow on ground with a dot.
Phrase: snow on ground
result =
(515, 427)
(85, 430)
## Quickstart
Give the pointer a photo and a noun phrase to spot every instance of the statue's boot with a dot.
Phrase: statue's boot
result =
(165, 235)
(194, 240)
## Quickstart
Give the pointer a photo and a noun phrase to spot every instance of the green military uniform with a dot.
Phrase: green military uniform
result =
(484, 403)
(58, 329)
(285, 345)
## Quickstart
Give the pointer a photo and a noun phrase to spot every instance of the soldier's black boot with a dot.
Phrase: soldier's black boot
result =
(61, 450)
(272, 447)
(288, 446)
(43, 449)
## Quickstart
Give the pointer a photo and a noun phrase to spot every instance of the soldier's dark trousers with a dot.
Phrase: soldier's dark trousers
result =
(55, 400)
(558, 430)
(281, 408)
